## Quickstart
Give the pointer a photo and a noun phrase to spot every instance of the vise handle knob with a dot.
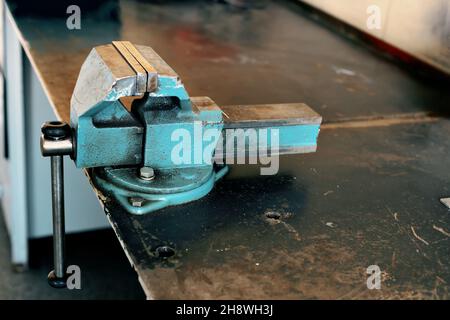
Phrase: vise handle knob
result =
(55, 130)
(56, 141)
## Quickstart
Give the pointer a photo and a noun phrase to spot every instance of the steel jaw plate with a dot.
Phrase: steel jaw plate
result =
(116, 139)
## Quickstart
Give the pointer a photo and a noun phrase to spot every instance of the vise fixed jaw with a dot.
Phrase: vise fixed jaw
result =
(134, 148)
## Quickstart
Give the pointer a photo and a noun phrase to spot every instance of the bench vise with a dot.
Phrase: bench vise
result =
(149, 145)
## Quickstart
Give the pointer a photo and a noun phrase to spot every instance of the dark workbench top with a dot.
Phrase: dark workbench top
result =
(357, 202)
(370, 195)
(272, 54)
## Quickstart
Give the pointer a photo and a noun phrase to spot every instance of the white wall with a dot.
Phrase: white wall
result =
(25, 175)
(13, 168)
(83, 210)
(419, 27)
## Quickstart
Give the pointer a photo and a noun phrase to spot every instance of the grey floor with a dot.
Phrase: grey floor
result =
(105, 271)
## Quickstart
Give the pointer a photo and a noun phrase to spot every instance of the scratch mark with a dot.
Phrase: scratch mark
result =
(343, 71)
(394, 214)
(415, 235)
(441, 280)
(441, 230)
(292, 230)
(225, 114)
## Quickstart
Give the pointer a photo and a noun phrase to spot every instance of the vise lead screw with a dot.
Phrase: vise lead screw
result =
(56, 141)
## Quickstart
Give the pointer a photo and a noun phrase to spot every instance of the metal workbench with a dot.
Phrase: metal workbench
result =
(369, 196)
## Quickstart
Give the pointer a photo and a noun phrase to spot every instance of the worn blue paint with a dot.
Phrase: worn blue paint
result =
(108, 135)
(160, 137)
(297, 136)
(290, 136)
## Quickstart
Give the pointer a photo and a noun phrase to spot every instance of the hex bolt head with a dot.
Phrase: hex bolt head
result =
(55, 130)
(137, 202)
(146, 173)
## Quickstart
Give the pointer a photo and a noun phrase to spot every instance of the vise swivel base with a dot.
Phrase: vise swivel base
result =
(149, 145)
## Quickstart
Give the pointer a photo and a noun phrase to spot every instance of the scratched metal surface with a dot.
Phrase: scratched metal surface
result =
(370, 195)
(270, 54)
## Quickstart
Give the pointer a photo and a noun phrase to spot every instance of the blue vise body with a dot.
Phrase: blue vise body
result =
(130, 110)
